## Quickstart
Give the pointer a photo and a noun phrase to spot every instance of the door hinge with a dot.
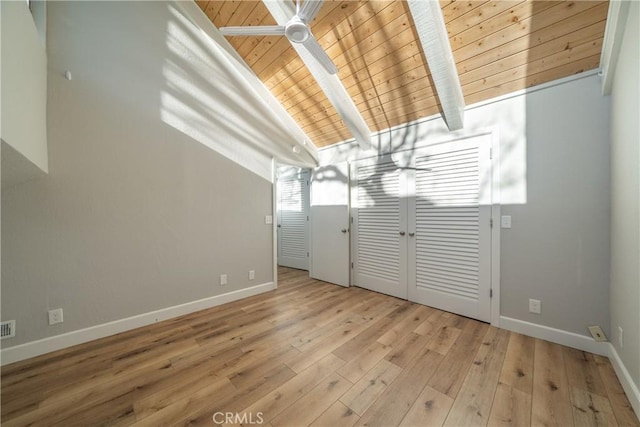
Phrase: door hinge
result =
(490, 293)
(307, 254)
(491, 222)
(307, 217)
(491, 153)
(351, 220)
(351, 265)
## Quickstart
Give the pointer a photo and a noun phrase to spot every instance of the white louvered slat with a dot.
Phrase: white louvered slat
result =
(447, 187)
(378, 259)
(378, 221)
(292, 230)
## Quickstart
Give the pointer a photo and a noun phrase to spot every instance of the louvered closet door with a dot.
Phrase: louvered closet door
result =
(450, 242)
(293, 202)
(379, 215)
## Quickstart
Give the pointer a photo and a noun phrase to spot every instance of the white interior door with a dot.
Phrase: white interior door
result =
(329, 223)
(293, 217)
(379, 209)
(449, 227)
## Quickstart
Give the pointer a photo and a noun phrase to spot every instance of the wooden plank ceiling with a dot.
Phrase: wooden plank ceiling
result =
(499, 47)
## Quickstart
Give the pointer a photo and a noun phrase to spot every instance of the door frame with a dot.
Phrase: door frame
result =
(494, 136)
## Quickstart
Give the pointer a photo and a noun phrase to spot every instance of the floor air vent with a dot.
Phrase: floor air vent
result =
(8, 329)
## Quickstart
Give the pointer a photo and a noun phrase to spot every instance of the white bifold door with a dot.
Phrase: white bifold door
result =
(293, 220)
(422, 226)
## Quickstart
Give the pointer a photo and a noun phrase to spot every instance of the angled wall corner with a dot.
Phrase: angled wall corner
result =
(24, 96)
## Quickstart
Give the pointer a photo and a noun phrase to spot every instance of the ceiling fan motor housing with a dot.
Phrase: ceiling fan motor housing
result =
(297, 30)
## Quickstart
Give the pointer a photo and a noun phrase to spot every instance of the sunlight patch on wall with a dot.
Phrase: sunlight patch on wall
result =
(207, 99)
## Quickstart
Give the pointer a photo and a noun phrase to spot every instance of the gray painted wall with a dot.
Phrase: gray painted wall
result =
(135, 215)
(554, 182)
(625, 197)
(558, 248)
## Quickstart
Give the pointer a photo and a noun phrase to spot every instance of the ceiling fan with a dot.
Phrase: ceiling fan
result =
(296, 30)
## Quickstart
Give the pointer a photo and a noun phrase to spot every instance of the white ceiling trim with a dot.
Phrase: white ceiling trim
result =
(282, 11)
(432, 32)
(613, 32)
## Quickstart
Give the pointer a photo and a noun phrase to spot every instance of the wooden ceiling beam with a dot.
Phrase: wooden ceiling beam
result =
(432, 33)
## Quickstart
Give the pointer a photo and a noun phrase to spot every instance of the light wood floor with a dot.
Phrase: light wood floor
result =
(312, 353)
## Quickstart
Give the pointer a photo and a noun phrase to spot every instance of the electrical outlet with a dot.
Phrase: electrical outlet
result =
(223, 279)
(55, 316)
(268, 219)
(620, 337)
(534, 306)
(252, 274)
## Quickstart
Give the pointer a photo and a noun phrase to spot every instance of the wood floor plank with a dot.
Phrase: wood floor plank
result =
(66, 405)
(591, 410)
(404, 324)
(582, 371)
(444, 339)
(431, 323)
(512, 401)
(551, 404)
(312, 353)
(455, 366)
(472, 406)
(405, 351)
(287, 394)
(430, 409)
(317, 401)
(366, 391)
(354, 346)
(324, 347)
(619, 401)
(392, 406)
(511, 407)
(337, 415)
(233, 402)
(176, 412)
(364, 361)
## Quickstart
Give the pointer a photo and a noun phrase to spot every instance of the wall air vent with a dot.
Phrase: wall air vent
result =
(8, 329)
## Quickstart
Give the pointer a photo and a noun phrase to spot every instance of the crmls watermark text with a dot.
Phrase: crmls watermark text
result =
(237, 418)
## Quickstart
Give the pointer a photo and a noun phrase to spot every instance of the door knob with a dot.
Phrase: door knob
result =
(344, 230)
(402, 233)
(412, 234)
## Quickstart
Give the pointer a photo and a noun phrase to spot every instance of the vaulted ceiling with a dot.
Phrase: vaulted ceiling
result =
(498, 46)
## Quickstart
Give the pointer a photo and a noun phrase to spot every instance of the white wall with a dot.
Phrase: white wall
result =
(625, 198)
(24, 84)
(554, 182)
(138, 211)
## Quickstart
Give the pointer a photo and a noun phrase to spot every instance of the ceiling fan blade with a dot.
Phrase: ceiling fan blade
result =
(282, 10)
(319, 54)
(310, 9)
(261, 30)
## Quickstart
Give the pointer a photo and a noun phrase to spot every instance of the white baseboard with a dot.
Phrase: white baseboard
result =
(558, 336)
(630, 388)
(57, 342)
